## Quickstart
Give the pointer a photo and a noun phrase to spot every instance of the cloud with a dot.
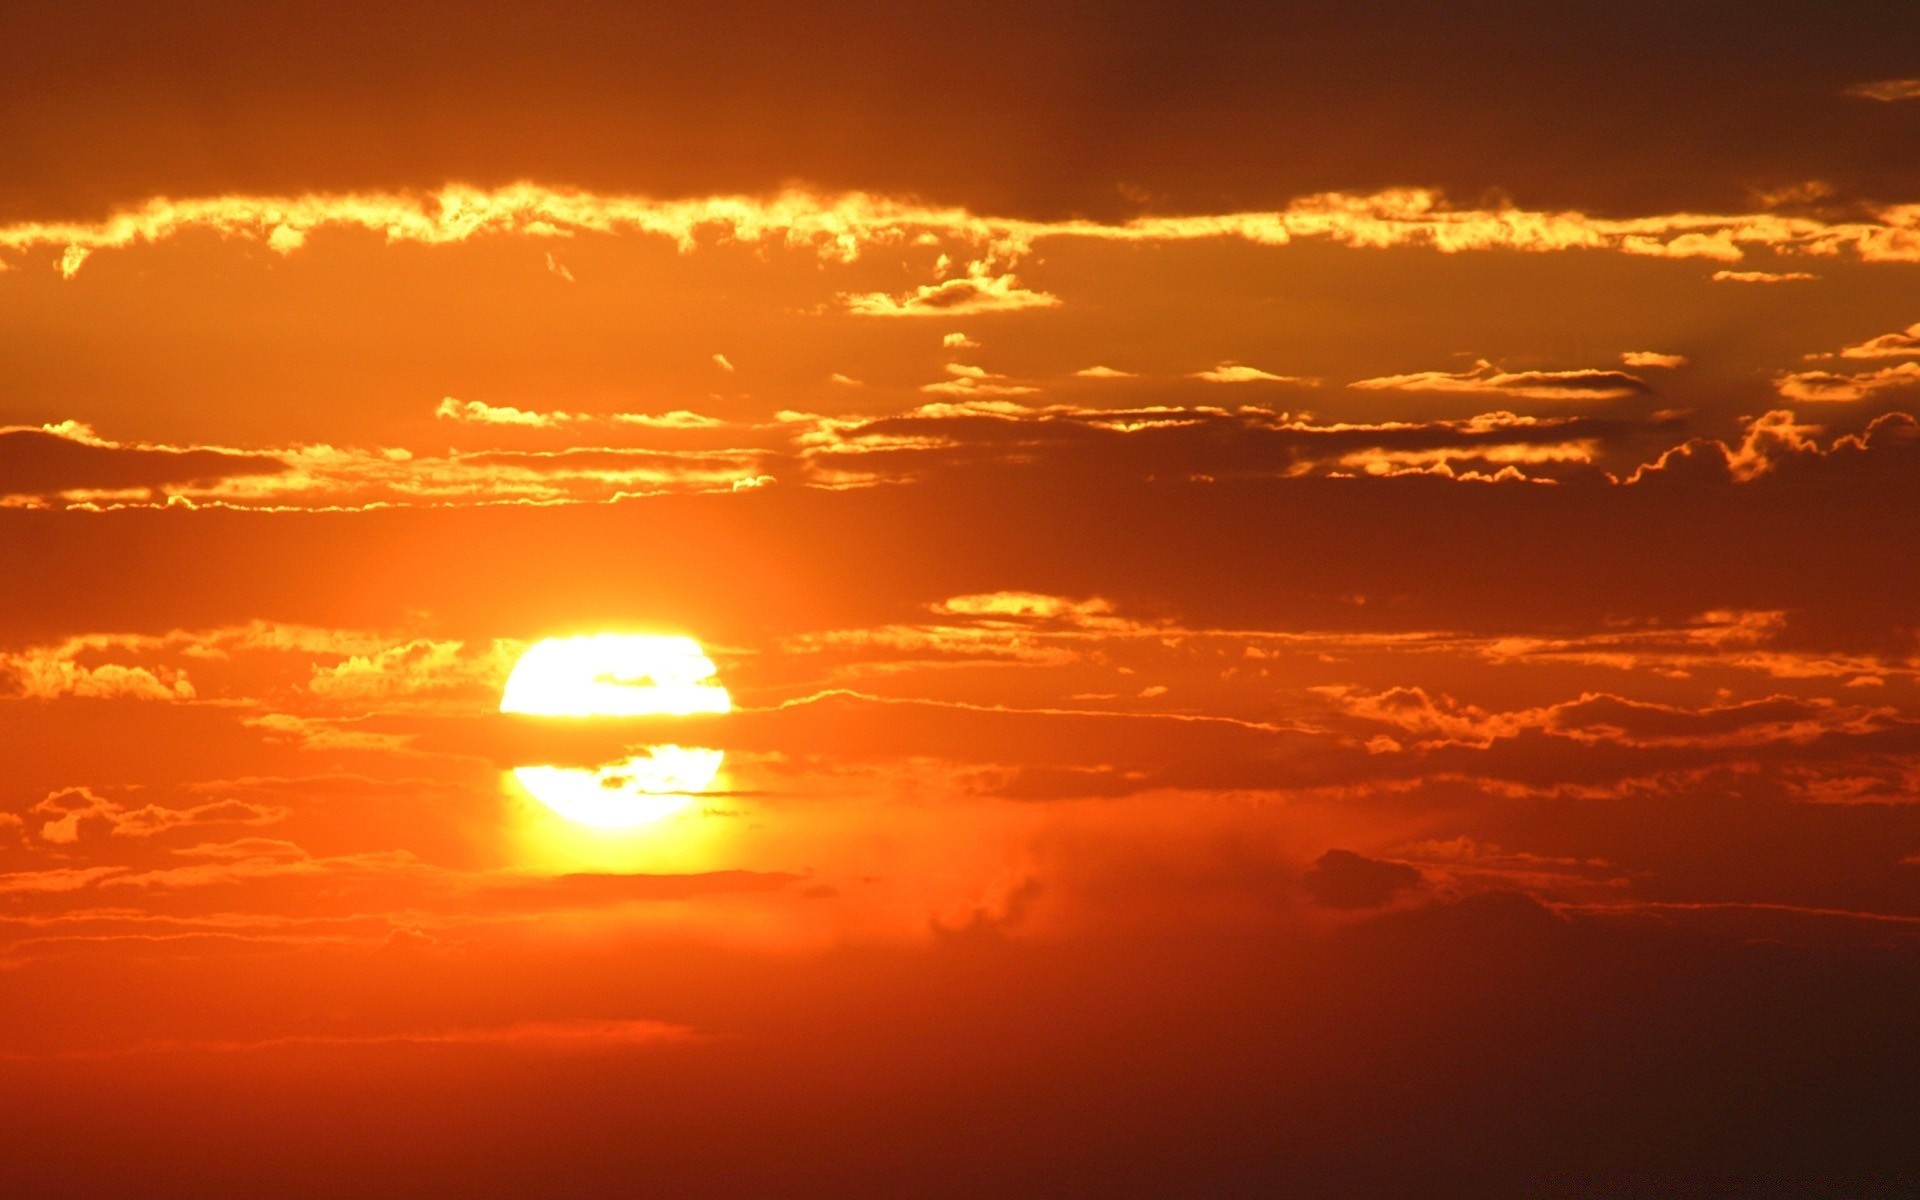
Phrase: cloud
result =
(1653, 358)
(1105, 373)
(1239, 373)
(68, 808)
(1196, 442)
(421, 666)
(678, 418)
(970, 296)
(52, 460)
(721, 361)
(1770, 441)
(1904, 344)
(1343, 879)
(553, 266)
(1762, 276)
(959, 341)
(51, 672)
(1887, 90)
(841, 227)
(69, 466)
(478, 412)
(976, 381)
(1827, 387)
(1486, 379)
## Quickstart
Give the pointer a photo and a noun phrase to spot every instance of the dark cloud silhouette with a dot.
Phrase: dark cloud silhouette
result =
(1343, 879)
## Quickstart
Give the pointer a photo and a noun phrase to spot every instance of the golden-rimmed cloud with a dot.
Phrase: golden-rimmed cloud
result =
(966, 380)
(1903, 344)
(69, 456)
(1485, 379)
(1829, 387)
(479, 412)
(1762, 276)
(1190, 442)
(842, 226)
(972, 295)
(1232, 372)
(69, 466)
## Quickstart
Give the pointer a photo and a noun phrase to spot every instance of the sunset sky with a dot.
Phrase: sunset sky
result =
(1117, 599)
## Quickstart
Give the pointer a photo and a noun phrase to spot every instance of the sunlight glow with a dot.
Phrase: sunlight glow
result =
(634, 791)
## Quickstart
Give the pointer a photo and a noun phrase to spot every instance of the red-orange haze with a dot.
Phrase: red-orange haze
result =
(988, 600)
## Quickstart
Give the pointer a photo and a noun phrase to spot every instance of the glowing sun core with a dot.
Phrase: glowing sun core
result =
(618, 675)
(614, 675)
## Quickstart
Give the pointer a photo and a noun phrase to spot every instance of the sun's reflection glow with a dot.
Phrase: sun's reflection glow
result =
(634, 791)
(618, 675)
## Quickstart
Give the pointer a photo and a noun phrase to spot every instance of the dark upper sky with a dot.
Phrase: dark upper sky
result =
(1097, 108)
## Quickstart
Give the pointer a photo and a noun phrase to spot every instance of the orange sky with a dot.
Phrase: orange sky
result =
(1310, 601)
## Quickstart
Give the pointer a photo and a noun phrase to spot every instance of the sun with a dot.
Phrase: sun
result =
(618, 675)
(614, 675)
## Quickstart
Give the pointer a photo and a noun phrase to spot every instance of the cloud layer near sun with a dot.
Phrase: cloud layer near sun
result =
(843, 226)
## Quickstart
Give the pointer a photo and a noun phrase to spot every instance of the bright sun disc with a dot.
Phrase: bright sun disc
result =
(614, 675)
(618, 675)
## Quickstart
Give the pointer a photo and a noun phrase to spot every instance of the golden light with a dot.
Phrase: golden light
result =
(618, 675)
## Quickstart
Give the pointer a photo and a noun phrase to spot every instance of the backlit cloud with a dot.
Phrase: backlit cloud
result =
(972, 295)
(1904, 344)
(1241, 373)
(841, 227)
(1823, 387)
(1486, 379)
(1762, 276)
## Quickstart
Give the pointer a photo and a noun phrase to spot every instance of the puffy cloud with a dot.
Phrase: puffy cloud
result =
(478, 412)
(1098, 372)
(1770, 440)
(1653, 358)
(725, 364)
(421, 666)
(64, 669)
(1486, 379)
(959, 341)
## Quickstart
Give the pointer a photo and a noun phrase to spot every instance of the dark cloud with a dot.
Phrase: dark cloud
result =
(35, 462)
(1343, 879)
